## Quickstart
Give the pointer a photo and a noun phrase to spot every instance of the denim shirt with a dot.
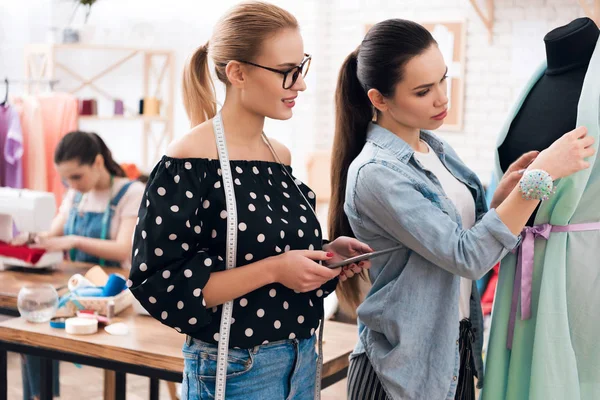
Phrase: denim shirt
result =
(409, 321)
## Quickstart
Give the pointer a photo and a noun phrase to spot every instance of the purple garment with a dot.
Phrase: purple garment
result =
(524, 270)
(4, 122)
(13, 151)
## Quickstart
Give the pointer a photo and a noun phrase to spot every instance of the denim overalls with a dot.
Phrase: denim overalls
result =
(94, 225)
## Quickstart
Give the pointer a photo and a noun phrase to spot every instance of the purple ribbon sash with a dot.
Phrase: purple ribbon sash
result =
(524, 270)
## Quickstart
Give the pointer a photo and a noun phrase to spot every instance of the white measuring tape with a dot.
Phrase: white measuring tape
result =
(223, 348)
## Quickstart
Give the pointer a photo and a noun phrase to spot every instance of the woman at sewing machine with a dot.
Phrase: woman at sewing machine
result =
(95, 221)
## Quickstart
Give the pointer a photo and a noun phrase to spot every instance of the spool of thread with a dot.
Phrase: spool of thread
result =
(119, 107)
(114, 286)
(151, 106)
(88, 107)
(78, 281)
(110, 310)
(81, 326)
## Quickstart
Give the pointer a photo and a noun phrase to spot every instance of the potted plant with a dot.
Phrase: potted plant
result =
(85, 33)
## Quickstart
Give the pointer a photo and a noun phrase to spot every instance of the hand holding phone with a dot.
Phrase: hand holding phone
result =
(365, 256)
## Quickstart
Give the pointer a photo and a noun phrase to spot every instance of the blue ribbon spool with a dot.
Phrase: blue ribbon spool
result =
(116, 284)
(89, 292)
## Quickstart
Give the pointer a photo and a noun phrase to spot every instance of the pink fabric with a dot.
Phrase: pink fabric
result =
(34, 155)
(59, 113)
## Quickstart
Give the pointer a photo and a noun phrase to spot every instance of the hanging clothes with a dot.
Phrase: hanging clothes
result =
(11, 148)
(13, 152)
(4, 123)
(59, 112)
(554, 352)
(487, 296)
(34, 155)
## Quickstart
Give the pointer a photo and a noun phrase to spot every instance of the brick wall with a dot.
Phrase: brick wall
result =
(331, 29)
(494, 72)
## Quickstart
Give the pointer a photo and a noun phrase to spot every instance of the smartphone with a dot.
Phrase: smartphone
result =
(365, 256)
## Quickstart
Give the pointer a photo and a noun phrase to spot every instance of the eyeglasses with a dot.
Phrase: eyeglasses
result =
(291, 75)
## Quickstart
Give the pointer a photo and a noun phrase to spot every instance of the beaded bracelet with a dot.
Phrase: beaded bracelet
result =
(536, 184)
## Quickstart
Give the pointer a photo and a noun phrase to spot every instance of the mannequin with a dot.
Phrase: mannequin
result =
(544, 347)
(550, 108)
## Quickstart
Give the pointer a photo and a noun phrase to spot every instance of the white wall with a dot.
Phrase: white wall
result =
(20, 24)
(331, 29)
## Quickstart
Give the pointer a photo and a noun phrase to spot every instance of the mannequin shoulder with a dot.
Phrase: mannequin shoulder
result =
(282, 151)
(199, 142)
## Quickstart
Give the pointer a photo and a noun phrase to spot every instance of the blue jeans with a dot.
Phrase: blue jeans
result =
(275, 371)
(30, 373)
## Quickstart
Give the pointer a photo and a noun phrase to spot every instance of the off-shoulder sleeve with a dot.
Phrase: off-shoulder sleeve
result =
(170, 266)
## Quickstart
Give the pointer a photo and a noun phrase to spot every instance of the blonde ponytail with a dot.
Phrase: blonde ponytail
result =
(198, 88)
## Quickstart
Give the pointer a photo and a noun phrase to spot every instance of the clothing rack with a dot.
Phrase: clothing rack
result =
(7, 82)
(50, 82)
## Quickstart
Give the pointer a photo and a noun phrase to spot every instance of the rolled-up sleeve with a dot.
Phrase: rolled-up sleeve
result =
(393, 202)
(170, 267)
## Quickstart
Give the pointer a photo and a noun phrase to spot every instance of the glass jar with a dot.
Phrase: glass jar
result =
(37, 303)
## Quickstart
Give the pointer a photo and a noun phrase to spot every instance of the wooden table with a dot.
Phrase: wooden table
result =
(150, 349)
(12, 280)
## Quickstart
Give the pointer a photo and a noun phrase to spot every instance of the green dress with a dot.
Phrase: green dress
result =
(556, 353)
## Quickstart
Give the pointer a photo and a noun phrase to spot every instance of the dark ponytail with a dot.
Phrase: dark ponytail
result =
(353, 114)
(84, 147)
(378, 63)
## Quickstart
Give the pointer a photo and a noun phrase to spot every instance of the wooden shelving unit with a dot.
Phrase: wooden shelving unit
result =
(42, 61)
(591, 9)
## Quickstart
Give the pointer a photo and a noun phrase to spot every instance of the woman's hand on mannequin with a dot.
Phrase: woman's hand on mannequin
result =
(566, 155)
(511, 177)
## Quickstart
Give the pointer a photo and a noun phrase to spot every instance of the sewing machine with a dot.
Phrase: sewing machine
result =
(31, 211)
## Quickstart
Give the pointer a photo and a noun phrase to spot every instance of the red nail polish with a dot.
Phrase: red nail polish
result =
(329, 254)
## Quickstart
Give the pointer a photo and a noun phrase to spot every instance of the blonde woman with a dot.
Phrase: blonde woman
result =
(278, 285)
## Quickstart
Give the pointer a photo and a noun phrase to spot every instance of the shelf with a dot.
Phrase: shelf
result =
(41, 62)
(125, 118)
(84, 46)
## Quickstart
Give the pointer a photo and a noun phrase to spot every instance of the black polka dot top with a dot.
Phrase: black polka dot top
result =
(180, 239)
